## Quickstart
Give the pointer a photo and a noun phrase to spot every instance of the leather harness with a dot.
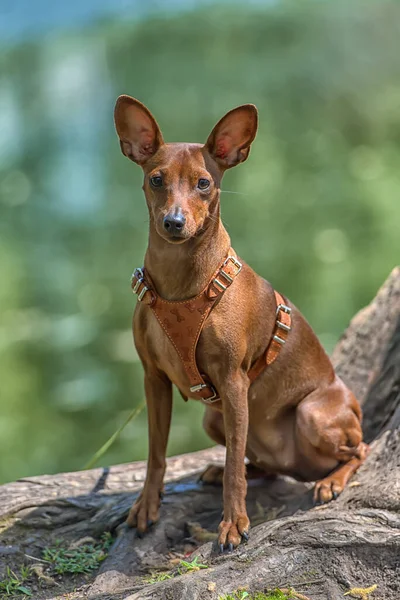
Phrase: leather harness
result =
(183, 321)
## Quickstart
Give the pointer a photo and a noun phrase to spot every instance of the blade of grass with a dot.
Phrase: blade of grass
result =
(105, 447)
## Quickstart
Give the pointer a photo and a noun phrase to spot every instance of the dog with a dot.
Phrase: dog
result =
(207, 323)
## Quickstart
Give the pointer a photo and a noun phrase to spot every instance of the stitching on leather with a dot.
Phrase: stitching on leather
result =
(194, 344)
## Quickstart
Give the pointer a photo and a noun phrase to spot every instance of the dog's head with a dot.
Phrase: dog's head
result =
(182, 181)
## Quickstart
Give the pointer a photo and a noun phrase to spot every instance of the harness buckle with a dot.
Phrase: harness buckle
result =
(201, 386)
(226, 275)
(139, 276)
(235, 261)
(286, 309)
(283, 307)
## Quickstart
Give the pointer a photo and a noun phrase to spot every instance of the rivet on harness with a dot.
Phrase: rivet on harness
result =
(183, 322)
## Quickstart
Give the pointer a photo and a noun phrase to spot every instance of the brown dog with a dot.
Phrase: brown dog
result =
(297, 417)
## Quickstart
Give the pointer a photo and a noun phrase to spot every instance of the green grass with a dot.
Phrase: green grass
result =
(107, 445)
(13, 584)
(189, 567)
(157, 577)
(62, 560)
(83, 559)
(235, 596)
(183, 568)
(242, 595)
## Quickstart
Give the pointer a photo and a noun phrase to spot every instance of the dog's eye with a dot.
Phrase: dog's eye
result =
(203, 184)
(156, 181)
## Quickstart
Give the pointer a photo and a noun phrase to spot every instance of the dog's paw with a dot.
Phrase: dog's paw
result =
(328, 489)
(213, 475)
(145, 511)
(231, 533)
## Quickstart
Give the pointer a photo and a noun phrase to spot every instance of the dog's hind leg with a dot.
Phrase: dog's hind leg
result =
(329, 436)
(213, 423)
(331, 486)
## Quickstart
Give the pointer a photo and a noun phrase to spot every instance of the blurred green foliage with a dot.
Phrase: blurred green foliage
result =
(315, 209)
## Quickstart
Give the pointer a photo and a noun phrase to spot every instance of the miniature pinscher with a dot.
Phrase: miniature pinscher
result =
(269, 389)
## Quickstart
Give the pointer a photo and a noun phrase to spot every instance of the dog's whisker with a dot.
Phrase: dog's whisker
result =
(230, 192)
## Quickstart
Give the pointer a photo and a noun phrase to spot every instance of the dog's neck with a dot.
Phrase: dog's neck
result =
(182, 271)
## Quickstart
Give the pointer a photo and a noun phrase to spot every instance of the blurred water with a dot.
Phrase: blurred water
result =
(315, 210)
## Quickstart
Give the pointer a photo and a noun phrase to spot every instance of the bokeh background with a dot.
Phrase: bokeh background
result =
(316, 208)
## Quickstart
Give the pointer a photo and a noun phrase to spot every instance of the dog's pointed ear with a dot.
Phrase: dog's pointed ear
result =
(140, 136)
(230, 140)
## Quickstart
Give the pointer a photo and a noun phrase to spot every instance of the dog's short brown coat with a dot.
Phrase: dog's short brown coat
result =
(298, 417)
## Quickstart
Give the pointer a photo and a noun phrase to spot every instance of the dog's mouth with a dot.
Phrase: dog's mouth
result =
(174, 239)
(183, 237)
(177, 239)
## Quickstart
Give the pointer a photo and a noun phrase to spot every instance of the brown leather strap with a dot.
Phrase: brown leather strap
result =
(283, 324)
(183, 321)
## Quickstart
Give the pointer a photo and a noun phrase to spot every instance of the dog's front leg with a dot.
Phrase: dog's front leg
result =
(235, 524)
(158, 391)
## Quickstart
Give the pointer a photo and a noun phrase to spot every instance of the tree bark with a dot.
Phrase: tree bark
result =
(322, 552)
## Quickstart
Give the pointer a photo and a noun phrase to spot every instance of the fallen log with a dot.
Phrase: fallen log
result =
(322, 552)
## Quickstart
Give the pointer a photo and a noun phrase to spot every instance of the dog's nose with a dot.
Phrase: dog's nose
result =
(174, 223)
